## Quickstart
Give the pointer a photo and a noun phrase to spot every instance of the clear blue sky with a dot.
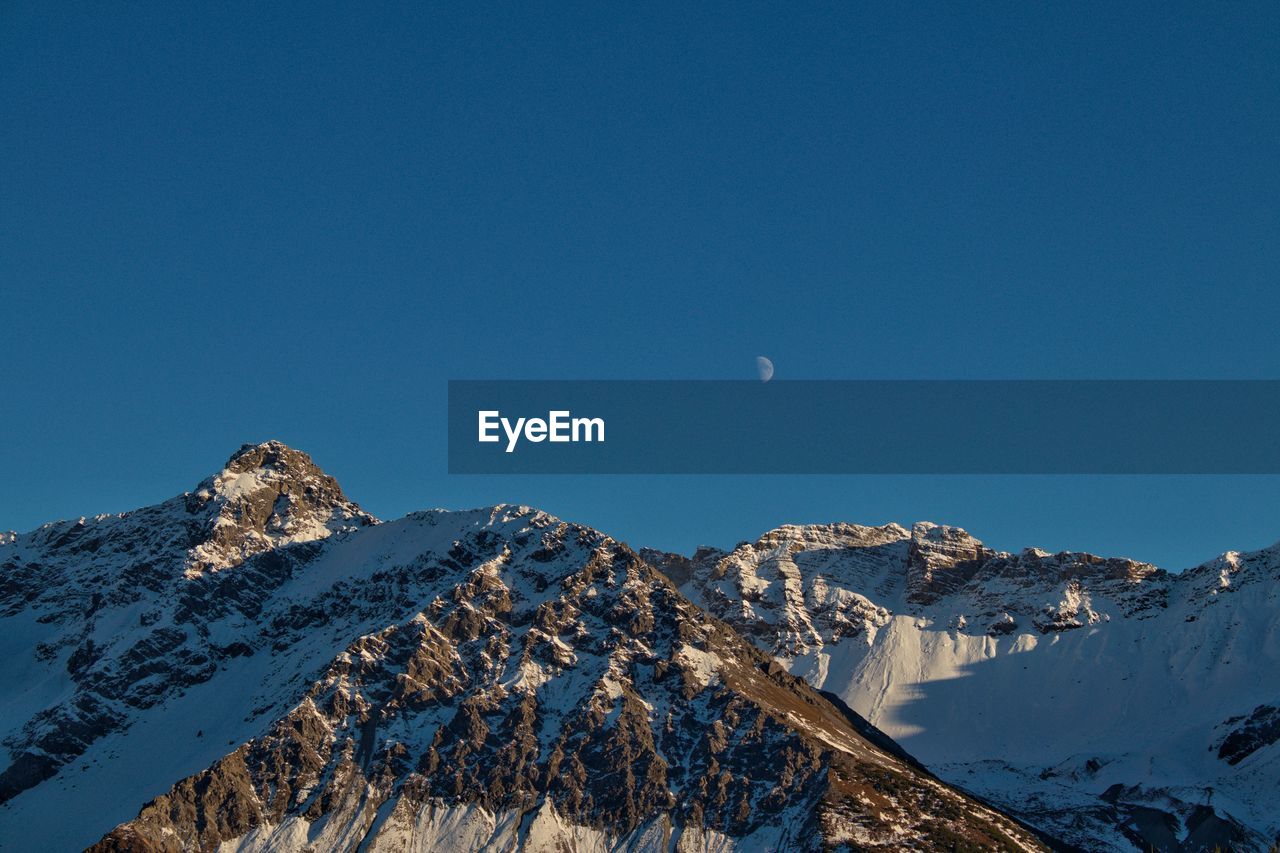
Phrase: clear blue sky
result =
(221, 225)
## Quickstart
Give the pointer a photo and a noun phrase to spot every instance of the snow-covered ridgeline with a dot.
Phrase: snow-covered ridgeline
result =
(259, 661)
(1033, 678)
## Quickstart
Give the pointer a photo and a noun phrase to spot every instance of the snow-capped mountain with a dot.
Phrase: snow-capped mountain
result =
(1111, 704)
(108, 616)
(260, 665)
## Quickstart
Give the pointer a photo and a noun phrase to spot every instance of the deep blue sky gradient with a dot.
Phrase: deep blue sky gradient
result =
(221, 225)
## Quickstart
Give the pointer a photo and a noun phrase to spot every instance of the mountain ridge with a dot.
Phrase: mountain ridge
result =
(276, 618)
(1106, 702)
(1072, 675)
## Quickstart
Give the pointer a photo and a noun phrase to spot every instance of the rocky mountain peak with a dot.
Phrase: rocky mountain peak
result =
(270, 454)
(161, 564)
(267, 495)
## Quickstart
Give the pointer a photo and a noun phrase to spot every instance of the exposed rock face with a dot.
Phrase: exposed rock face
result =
(941, 560)
(1067, 673)
(1258, 730)
(760, 587)
(446, 681)
(802, 587)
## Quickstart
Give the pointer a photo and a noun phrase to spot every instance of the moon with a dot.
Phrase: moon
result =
(764, 367)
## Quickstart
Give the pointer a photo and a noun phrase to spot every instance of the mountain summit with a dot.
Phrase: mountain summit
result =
(106, 611)
(267, 495)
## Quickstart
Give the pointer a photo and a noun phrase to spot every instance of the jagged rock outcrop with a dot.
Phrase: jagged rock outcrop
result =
(941, 560)
(1260, 729)
(266, 496)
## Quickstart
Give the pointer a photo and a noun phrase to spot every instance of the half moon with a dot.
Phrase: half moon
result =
(764, 367)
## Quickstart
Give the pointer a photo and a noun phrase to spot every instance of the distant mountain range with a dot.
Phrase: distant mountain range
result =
(261, 665)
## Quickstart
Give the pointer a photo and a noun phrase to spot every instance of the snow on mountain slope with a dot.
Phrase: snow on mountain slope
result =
(1103, 700)
(313, 679)
(116, 607)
